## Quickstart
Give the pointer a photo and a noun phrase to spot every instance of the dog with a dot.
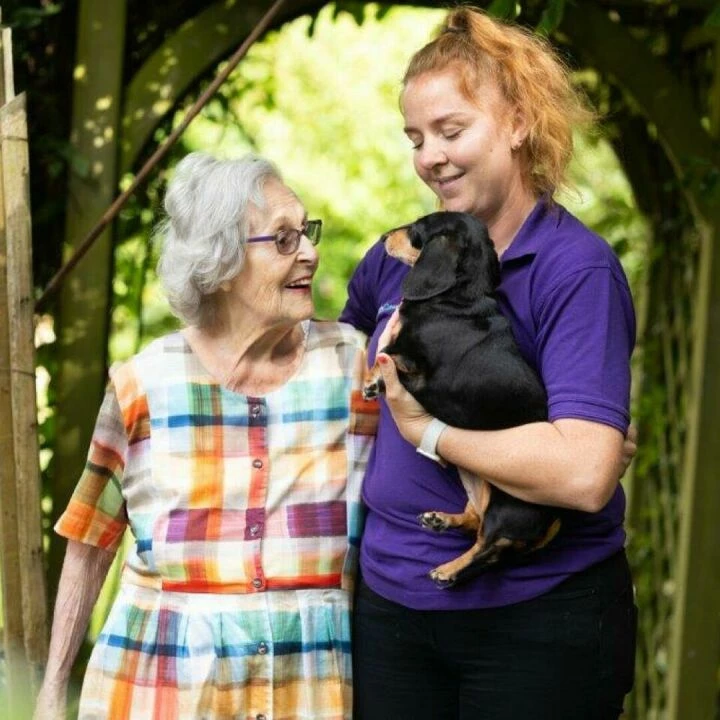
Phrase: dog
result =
(456, 354)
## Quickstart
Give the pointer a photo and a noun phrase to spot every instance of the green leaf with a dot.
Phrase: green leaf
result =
(29, 17)
(551, 17)
(505, 9)
(713, 18)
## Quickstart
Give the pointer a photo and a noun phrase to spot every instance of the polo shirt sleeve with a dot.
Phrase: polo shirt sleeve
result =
(586, 333)
(96, 514)
(360, 310)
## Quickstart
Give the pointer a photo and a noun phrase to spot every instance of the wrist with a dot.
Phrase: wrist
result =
(429, 439)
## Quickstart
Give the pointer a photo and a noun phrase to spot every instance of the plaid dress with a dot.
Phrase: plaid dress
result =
(235, 598)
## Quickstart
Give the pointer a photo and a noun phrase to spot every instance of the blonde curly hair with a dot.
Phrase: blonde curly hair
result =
(530, 75)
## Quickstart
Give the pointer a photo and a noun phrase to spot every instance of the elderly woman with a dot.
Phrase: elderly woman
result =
(231, 451)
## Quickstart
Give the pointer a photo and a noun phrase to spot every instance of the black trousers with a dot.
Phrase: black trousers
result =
(568, 655)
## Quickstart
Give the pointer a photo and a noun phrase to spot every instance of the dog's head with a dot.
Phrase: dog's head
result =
(446, 250)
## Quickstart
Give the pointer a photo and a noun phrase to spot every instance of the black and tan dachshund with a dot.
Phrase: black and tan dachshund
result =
(455, 353)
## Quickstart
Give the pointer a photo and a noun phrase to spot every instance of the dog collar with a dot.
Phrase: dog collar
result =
(428, 444)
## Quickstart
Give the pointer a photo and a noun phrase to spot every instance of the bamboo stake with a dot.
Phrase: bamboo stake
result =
(120, 201)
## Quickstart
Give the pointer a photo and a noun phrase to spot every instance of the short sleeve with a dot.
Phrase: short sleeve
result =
(97, 514)
(360, 310)
(586, 334)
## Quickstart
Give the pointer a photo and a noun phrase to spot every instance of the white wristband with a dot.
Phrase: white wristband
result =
(428, 444)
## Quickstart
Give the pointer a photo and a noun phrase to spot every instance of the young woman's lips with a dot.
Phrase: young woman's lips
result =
(448, 183)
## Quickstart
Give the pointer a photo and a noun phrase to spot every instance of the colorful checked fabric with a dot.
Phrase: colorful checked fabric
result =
(228, 497)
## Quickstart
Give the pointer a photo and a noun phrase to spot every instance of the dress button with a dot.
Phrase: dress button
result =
(257, 582)
(257, 463)
(262, 648)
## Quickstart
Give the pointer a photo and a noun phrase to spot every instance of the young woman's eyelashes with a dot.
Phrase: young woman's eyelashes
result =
(446, 134)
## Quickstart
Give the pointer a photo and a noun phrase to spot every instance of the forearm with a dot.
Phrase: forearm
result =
(84, 571)
(570, 463)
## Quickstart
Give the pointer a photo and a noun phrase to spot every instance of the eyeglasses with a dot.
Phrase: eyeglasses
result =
(288, 241)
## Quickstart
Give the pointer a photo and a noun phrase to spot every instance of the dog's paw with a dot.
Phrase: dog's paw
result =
(433, 521)
(373, 390)
(442, 579)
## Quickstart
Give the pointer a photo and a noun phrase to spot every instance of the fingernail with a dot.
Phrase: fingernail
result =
(382, 359)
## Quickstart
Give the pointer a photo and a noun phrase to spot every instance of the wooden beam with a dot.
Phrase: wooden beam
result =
(15, 167)
(671, 107)
(13, 637)
(83, 315)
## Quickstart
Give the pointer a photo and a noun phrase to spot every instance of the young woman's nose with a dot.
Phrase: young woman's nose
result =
(430, 155)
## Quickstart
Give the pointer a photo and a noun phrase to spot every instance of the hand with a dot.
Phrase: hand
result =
(629, 449)
(51, 701)
(410, 417)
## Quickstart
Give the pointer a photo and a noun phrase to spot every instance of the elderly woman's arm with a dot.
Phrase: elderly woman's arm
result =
(83, 573)
(567, 463)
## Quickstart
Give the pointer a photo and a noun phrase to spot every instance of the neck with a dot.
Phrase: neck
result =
(507, 221)
(246, 358)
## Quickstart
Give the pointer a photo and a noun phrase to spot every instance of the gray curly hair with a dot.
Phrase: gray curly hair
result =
(203, 236)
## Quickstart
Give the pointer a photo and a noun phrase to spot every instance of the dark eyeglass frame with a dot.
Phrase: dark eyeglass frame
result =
(288, 241)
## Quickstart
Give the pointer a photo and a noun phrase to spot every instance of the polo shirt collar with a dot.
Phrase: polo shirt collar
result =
(539, 224)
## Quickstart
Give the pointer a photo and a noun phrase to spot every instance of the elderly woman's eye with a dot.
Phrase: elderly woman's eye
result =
(284, 239)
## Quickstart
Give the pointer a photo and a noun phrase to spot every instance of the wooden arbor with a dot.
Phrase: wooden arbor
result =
(675, 496)
(21, 551)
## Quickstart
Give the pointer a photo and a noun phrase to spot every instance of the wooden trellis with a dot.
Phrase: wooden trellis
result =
(21, 552)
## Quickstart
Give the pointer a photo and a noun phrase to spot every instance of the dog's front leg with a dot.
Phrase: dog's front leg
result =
(373, 383)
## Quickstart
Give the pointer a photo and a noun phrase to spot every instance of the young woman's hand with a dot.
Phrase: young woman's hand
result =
(629, 449)
(410, 417)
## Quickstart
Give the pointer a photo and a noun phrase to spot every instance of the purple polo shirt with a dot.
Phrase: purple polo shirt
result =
(567, 299)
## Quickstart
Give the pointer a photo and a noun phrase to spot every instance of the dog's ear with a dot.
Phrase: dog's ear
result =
(480, 263)
(435, 270)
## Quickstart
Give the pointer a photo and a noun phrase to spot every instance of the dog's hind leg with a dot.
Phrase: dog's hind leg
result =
(472, 562)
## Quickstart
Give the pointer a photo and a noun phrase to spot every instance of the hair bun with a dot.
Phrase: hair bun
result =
(458, 22)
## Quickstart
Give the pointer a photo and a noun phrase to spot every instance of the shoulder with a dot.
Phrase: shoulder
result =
(322, 333)
(571, 248)
(572, 244)
(129, 376)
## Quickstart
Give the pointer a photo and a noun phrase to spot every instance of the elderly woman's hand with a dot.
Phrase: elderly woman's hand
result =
(410, 417)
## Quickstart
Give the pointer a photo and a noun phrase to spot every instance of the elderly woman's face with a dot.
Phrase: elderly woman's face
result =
(463, 150)
(273, 288)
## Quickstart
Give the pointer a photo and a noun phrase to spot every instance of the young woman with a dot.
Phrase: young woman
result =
(489, 110)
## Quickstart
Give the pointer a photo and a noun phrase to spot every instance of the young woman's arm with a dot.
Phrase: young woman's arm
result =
(567, 463)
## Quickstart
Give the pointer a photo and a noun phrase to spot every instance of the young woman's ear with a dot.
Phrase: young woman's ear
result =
(519, 129)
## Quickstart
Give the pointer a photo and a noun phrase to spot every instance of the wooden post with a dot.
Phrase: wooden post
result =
(24, 597)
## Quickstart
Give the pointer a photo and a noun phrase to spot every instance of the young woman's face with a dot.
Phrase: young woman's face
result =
(463, 150)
